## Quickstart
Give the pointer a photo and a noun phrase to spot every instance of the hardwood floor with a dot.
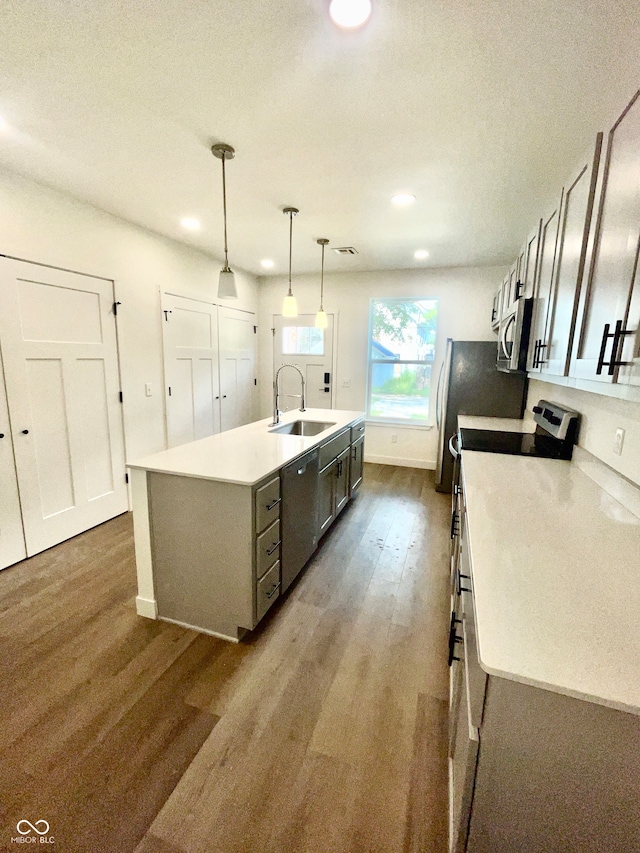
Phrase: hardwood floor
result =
(324, 730)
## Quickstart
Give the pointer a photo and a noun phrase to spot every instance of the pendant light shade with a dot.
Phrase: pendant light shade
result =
(321, 317)
(290, 306)
(227, 281)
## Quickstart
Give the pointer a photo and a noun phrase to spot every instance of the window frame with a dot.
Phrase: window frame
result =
(427, 423)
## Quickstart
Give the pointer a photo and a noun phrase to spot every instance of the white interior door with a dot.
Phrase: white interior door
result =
(12, 545)
(192, 385)
(237, 366)
(59, 348)
(297, 341)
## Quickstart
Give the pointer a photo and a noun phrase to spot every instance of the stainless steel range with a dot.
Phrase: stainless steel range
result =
(555, 435)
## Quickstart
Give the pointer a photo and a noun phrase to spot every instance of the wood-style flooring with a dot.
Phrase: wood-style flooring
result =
(324, 730)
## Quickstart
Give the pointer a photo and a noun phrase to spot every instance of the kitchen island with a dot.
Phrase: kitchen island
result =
(207, 516)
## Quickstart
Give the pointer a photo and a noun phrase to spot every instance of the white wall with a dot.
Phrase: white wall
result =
(601, 416)
(41, 225)
(464, 312)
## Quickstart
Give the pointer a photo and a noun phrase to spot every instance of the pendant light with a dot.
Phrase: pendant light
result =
(227, 281)
(290, 306)
(321, 317)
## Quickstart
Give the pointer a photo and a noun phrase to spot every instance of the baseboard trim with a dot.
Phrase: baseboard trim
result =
(427, 464)
(146, 607)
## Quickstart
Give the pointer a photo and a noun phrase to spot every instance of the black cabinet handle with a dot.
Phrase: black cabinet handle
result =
(461, 588)
(25, 432)
(1, 435)
(617, 335)
(454, 525)
(274, 503)
(273, 591)
(276, 545)
(453, 637)
(519, 287)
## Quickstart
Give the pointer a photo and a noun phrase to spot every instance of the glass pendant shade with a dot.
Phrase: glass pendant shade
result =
(321, 319)
(289, 306)
(227, 285)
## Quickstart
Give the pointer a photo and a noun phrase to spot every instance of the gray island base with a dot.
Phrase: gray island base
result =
(220, 527)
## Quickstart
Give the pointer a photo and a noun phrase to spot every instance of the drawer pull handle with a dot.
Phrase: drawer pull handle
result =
(276, 545)
(276, 587)
(274, 503)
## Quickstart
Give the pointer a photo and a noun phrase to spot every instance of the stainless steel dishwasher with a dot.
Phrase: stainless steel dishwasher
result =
(299, 512)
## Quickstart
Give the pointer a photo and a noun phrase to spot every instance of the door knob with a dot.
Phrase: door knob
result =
(25, 432)
(1, 435)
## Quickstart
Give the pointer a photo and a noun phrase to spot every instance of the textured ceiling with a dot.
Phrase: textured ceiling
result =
(480, 108)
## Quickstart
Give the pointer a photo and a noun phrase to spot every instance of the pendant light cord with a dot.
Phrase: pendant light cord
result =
(224, 208)
(322, 279)
(290, 249)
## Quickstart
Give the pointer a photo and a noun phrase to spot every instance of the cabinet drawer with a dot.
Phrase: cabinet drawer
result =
(267, 590)
(267, 504)
(268, 548)
(334, 447)
(357, 431)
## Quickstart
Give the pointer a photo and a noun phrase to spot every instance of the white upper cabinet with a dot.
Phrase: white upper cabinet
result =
(542, 288)
(607, 328)
(575, 221)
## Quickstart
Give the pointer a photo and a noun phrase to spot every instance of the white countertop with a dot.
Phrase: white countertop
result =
(497, 424)
(556, 578)
(247, 454)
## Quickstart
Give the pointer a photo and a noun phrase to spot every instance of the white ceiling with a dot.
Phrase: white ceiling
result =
(481, 108)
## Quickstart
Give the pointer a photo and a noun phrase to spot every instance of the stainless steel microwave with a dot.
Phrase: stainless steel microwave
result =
(513, 338)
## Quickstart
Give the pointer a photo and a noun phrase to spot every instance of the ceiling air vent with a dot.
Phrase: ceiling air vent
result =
(345, 250)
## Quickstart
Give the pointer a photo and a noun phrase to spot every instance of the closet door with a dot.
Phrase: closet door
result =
(61, 368)
(190, 341)
(237, 367)
(12, 547)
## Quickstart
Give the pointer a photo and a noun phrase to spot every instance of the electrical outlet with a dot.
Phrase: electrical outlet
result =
(147, 389)
(619, 441)
(394, 437)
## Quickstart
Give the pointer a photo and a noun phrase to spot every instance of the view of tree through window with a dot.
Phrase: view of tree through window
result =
(401, 351)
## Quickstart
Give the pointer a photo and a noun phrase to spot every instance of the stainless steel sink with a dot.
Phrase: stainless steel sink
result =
(302, 428)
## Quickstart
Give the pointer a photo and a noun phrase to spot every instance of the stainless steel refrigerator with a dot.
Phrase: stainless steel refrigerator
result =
(470, 384)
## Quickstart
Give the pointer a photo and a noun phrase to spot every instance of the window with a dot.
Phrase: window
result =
(302, 340)
(402, 343)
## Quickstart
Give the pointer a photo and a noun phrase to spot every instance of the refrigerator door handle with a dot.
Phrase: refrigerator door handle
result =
(454, 450)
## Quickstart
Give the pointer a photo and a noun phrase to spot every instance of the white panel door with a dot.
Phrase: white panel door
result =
(237, 366)
(12, 546)
(190, 341)
(297, 341)
(61, 368)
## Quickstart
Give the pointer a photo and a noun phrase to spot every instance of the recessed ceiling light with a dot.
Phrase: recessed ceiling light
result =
(403, 199)
(350, 13)
(266, 264)
(420, 254)
(189, 223)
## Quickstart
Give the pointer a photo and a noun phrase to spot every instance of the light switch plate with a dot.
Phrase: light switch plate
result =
(147, 389)
(619, 441)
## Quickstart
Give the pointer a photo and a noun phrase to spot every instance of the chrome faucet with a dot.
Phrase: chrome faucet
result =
(276, 393)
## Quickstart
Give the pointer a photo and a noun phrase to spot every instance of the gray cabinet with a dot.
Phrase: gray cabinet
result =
(333, 479)
(531, 770)
(356, 457)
